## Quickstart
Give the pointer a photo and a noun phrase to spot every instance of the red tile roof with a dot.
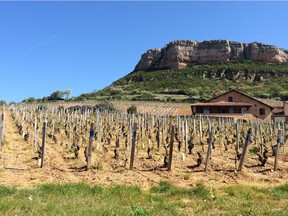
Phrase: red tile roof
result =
(278, 110)
(239, 93)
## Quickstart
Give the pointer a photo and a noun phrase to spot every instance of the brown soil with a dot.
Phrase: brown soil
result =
(18, 166)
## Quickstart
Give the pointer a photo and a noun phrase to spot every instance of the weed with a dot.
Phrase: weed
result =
(97, 166)
(280, 191)
(164, 187)
(136, 211)
(186, 176)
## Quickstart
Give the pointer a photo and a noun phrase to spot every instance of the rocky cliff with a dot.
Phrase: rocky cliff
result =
(184, 53)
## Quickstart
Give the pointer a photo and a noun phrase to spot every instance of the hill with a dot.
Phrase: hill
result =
(187, 70)
(199, 82)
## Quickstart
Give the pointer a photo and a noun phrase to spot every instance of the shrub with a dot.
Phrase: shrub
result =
(145, 96)
(116, 91)
(132, 110)
(284, 95)
(260, 94)
(135, 92)
(105, 106)
(116, 97)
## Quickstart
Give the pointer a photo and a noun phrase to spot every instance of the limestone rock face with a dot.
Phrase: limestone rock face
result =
(184, 53)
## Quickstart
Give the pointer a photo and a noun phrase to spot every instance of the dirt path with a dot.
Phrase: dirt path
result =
(16, 154)
(19, 166)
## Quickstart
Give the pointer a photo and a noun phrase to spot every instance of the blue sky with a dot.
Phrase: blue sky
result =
(85, 46)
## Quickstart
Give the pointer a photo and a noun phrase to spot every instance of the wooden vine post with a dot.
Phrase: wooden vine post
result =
(194, 127)
(248, 138)
(2, 128)
(256, 135)
(158, 133)
(277, 149)
(44, 132)
(271, 133)
(186, 136)
(200, 132)
(163, 130)
(261, 139)
(211, 135)
(35, 132)
(171, 148)
(53, 124)
(284, 136)
(1, 133)
(100, 132)
(132, 154)
(237, 136)
(142, 132)
(69, 130)
(89, 153)
(1, 136)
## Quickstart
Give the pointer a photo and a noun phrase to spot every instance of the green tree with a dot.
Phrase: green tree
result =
(68, 92)
(56, 95)
(45, 99)
(3, 102)
(29, 100)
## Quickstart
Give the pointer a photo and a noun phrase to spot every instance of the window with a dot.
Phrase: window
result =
(230, 99)
(244, 110)
(262, 111)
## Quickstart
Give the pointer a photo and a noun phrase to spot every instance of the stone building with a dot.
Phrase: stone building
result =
(236, 104)
(280, 113)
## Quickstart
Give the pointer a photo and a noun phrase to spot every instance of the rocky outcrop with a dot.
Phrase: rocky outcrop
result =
(184, 53)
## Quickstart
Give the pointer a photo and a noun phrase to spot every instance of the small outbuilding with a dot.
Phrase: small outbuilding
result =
(280, 113)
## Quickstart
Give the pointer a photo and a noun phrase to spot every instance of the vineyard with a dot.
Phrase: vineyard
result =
(60, 143)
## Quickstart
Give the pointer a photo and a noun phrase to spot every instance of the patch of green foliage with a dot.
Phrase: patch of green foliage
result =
(254, 150)
(166, 187)
(105, 106)
(132, 110)
(136, 211)
(163, 199)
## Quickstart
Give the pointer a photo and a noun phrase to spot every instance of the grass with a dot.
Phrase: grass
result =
(163, 199)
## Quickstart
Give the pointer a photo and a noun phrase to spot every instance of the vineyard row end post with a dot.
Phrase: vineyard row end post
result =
(171, 148)
(211, 135)
(248, 138)
(91, 138)
(43, 143)
(132, 155)
(2, 126)
(277, 149)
